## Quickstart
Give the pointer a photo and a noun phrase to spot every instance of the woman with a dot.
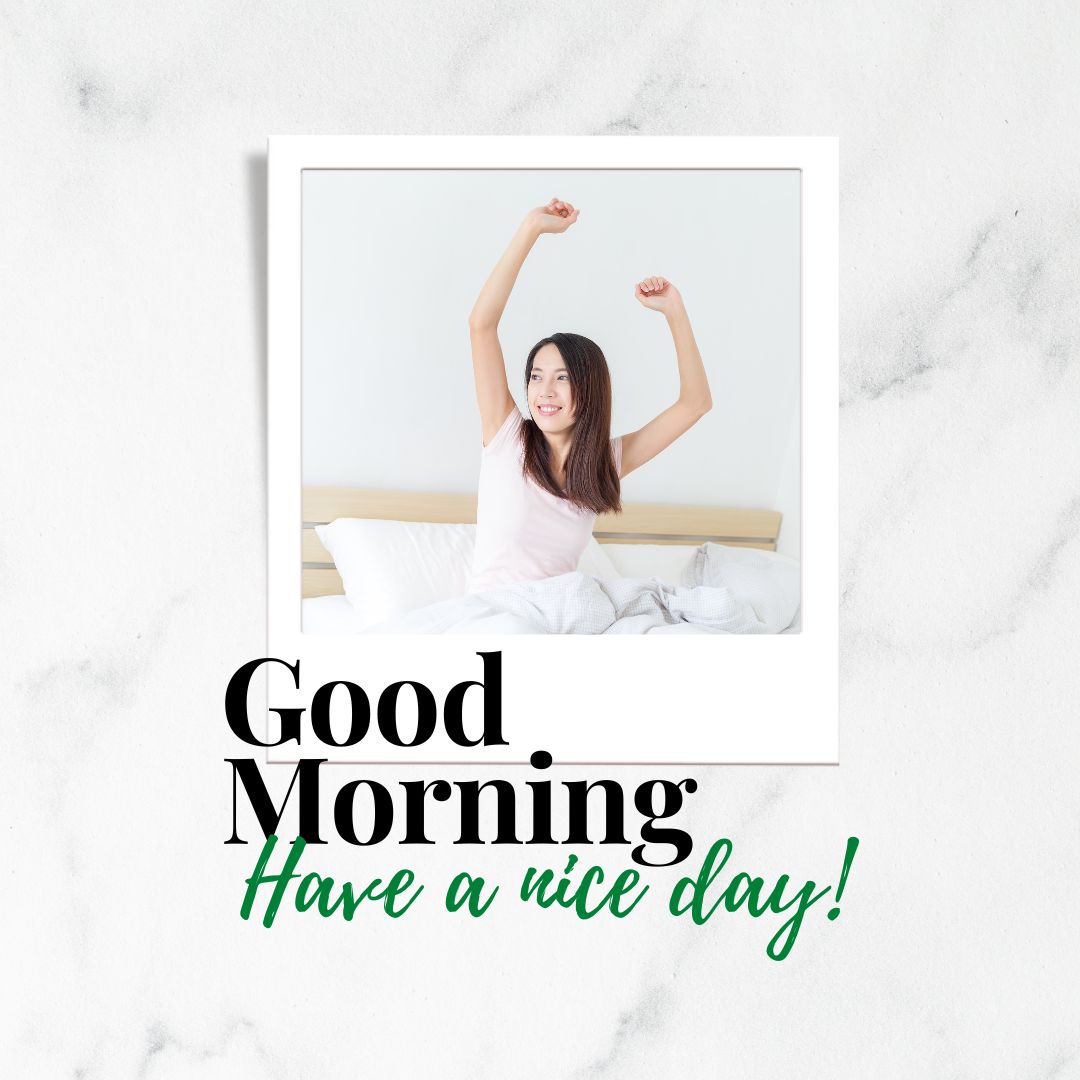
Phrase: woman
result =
(544, 480)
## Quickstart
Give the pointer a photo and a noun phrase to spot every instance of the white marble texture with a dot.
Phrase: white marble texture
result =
(132, 566)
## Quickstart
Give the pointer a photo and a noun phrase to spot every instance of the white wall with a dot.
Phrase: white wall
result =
(788, 495)
(393, 262)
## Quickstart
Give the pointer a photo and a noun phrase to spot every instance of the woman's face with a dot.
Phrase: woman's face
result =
(551, 401)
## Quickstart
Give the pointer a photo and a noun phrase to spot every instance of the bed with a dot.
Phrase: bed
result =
(397, 562)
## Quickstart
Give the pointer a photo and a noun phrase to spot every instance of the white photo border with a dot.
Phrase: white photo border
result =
(712, 699)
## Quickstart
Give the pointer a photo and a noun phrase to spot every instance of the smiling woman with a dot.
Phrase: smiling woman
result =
(543, 480)
(567, 447)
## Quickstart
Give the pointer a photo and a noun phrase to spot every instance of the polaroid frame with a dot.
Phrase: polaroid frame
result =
(757, 699)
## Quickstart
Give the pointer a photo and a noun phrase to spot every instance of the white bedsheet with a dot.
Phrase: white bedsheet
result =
(335, 615)
(724, 590)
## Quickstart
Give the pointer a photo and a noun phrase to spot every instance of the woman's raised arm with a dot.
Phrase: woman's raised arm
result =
(694, 400)
(489, 368)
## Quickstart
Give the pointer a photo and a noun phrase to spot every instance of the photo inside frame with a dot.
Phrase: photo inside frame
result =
(708, 539)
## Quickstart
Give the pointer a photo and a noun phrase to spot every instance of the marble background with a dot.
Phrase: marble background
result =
(132, 562)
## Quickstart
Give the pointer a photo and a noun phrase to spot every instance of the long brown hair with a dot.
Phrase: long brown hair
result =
(592, 481)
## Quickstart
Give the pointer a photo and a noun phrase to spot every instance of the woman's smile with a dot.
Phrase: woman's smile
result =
(553, 415)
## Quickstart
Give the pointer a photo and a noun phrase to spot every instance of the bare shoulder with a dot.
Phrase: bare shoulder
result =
(504, 429)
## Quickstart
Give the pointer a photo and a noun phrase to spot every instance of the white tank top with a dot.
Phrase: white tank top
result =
(523, 533)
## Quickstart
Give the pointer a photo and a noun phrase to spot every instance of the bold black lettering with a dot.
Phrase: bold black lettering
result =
(236, 704)
(267, 814)
(359, 714)
(416, 807)
(673, 801)
(382, 815)
(426, 714)
(541, 806)
(492, 690)
(578, 812)
(506, 815)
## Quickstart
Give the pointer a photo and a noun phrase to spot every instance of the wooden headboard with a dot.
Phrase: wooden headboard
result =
(639, 523)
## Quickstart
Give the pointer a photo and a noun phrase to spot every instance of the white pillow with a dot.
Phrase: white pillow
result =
(664, 561)
(594, 561)
(391, 567)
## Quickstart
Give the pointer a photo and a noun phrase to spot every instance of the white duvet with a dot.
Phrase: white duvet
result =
(724, 590)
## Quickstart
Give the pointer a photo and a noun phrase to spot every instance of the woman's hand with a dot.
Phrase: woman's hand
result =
(556, 217)
(658, 294)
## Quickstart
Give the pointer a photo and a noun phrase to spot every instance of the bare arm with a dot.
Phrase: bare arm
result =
(694, 400)
(489, 368)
